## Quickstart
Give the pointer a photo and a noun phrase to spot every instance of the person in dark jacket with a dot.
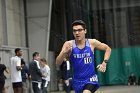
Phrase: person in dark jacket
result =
(132, 79)
(66, 75)
(25, 76)
(36, 75)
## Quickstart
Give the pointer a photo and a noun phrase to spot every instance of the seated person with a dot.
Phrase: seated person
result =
(139, 81)
(132, 79)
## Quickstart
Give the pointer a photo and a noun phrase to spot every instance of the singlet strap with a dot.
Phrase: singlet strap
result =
(73, 44)
(87, 43)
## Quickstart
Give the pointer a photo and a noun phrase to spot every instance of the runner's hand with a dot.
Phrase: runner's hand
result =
(102, 67)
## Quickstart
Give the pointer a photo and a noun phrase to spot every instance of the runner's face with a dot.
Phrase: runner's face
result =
(79, 32)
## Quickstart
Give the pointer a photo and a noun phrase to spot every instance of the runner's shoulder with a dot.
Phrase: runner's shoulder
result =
(92, 40)
(69, 42)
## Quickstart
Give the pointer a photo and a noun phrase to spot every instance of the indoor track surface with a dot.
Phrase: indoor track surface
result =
(113, 89)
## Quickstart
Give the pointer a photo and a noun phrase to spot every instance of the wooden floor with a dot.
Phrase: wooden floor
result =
(113, 89)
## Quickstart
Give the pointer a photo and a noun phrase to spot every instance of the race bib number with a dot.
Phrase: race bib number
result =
(94, 78)
(87, 60)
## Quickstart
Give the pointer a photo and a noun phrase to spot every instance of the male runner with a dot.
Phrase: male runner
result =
(81, 53)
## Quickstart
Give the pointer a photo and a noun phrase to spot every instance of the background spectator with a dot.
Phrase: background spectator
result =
(132, 79)
(2, 77)
(25, 76)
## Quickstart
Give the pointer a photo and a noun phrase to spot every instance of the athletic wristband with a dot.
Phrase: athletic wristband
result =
(106, 61)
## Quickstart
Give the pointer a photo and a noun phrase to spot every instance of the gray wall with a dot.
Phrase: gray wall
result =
(12, 33)
(38, 18)
(38, 26)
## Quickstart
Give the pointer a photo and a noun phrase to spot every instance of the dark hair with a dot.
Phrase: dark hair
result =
(35, 53)
(79, 22)
(22, 61)
(17, 50)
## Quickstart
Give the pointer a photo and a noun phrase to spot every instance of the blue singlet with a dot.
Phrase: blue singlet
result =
(82, 61)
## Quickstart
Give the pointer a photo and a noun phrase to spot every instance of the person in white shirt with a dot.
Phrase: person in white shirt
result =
(16, 71)
(45, 69)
